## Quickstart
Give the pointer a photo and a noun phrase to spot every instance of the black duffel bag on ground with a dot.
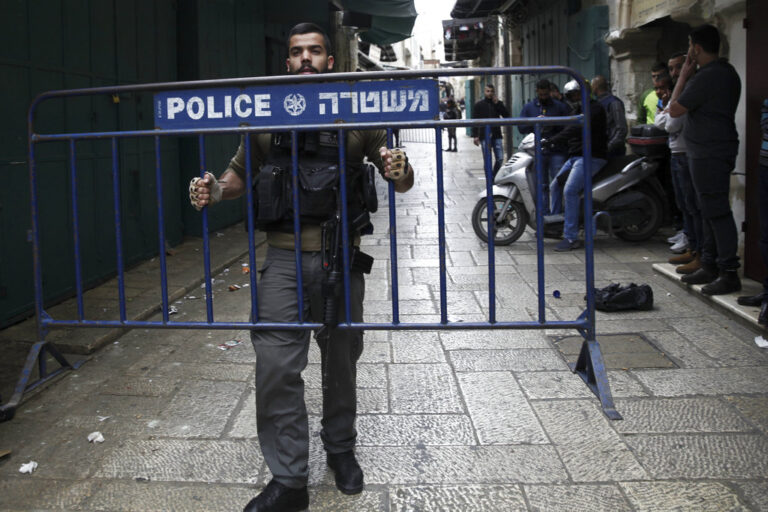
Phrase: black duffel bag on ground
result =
(615, 297)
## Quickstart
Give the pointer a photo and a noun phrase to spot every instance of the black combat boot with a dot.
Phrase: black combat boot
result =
(762, 318)
(349, 476)
(277, 497)
(727, 282)
(706, 274)
(752, 300)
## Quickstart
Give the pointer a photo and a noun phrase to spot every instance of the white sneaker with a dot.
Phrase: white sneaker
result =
(676, 237)
(681, 246)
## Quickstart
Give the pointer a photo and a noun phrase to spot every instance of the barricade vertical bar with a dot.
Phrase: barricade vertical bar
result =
(441, 224)
(297, 222)
(540, 222)
(206, 240)
(76, 230)
(36, 263)
(118, 229)
(491, 209)
(161, 231)
(344, 220)
(249, 220)
(589, 245)
(393, 245)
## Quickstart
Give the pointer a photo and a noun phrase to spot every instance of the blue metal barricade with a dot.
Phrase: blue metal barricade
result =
(590, 363)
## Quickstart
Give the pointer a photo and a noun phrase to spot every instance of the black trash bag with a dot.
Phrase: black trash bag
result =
(615, 297)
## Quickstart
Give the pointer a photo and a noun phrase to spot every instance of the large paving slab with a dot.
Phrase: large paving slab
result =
(178, 460)
(565, 498)
(718, 456)
(683, 496)
(469, 498)
(499, 410)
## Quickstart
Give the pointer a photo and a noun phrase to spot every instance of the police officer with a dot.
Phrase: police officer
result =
(282, 355)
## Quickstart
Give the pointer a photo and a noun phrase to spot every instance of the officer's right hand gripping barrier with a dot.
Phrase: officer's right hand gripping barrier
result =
(398, 169)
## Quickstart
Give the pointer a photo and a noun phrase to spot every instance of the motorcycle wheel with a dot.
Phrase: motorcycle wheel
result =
(651, 224)
(508, 229)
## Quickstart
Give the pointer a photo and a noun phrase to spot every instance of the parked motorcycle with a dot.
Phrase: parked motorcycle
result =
(626, 188)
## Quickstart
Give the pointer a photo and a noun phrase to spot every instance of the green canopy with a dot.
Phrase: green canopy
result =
(391, 20)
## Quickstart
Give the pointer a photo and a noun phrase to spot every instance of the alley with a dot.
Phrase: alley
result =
(461, 420)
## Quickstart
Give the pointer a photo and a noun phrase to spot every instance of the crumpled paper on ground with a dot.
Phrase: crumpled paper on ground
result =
(29, 467)
(95, 437)
(761, 342)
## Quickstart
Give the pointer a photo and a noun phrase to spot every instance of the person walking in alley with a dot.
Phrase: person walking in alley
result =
(709, 97)
(281, 412)
(451, 112)
(565, 190)
(616, 118)
(544, 105)
(490, 107)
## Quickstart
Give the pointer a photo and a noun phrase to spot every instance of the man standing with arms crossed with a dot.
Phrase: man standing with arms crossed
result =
(282, 355)
(710, 96)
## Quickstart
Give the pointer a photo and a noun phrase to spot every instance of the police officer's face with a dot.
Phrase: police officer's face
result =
(307, 55)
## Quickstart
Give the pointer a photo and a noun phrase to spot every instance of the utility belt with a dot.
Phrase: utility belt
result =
(318, 184)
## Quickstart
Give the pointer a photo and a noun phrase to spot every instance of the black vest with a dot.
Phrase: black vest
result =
(318, 182)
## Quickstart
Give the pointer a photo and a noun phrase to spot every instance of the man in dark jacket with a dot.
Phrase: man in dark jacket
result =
(544, 105)
(616, 118)
(490, 107)
(566, 188)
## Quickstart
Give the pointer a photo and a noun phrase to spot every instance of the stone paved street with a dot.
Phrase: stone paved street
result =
(462, 420)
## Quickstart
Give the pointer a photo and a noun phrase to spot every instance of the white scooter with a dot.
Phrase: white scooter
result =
(627, 189)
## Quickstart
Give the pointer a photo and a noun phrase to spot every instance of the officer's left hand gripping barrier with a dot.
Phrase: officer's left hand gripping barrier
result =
(263, 119)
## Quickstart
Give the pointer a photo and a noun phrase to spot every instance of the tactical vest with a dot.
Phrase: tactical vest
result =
(318, 183)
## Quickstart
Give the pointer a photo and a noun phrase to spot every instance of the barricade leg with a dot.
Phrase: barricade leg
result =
(591, 368)
(37, 355)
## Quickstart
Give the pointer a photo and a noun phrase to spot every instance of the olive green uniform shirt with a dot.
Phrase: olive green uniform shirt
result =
(360, 144)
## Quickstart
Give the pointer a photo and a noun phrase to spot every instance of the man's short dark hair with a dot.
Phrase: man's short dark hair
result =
(665, 80)
(309, 28)
(706, 36)
(490, 86)
(658, 66)
(677, 55)
(542, 84)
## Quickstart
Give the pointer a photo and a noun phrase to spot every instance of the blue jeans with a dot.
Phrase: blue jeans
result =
(570, 194)
(685, 196)
(498, 152)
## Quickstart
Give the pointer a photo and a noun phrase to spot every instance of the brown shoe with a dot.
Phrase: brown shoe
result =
(681, 259)
(690, 267)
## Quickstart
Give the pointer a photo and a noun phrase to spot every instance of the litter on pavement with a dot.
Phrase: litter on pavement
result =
(95, 437)
(29, 467)
(229, 344)
(761, 342)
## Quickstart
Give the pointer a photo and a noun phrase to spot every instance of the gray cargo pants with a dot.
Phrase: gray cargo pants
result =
(281, 414)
